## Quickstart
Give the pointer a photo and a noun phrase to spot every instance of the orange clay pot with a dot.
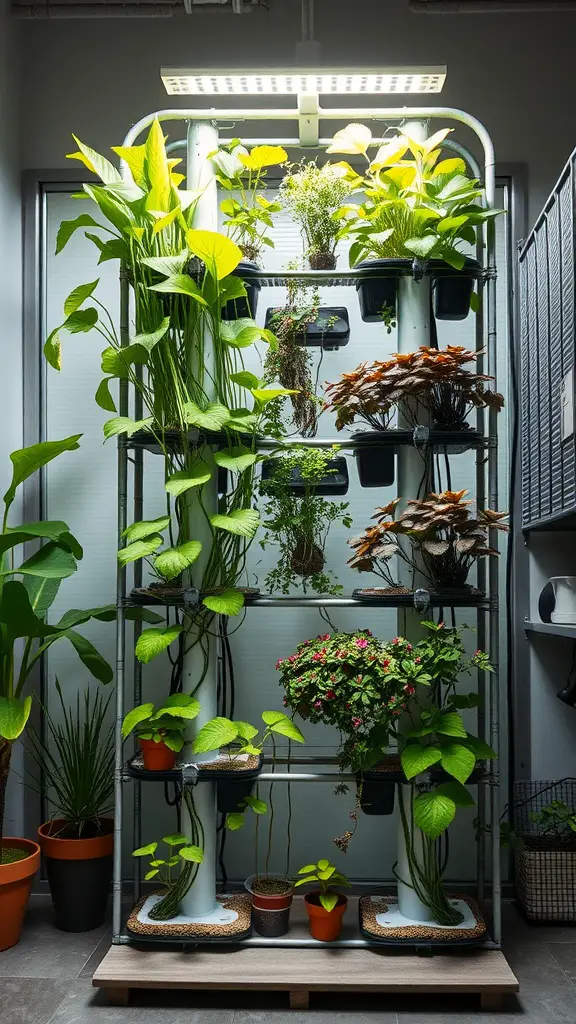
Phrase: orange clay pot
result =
(15, 886)
(324, 925)
(157, 756)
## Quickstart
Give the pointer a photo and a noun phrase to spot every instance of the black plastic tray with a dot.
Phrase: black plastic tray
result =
(459, 600)
(175, 774)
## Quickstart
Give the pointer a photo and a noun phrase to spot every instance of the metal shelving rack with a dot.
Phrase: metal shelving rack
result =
(484, 442)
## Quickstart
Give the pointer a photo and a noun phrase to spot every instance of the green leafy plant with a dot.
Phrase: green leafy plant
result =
(312, 194)
(556, 822)
(248, 217)
(28, 589)
(327, 877)
(176, 872)
(166, 724)
(76, 760)
(299, 524)
(414, 203)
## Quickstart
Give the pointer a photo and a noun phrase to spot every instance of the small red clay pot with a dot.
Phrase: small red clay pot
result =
(325, 925)
(157, 756)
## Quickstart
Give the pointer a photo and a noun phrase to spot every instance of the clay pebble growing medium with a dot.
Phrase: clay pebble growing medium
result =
(248, 763)
(368, 920)
(238, 902)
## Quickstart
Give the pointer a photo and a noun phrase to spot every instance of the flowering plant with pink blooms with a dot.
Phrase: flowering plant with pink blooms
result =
(356, 683)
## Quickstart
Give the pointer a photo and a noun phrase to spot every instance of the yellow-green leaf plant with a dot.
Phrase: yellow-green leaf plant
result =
(248, 214)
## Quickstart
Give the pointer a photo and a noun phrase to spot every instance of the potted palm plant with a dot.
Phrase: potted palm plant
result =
(247, 213)
(325, 907)
(76, 761)
(415, 208)
(299, 523)
(160, 731)
(311, 195)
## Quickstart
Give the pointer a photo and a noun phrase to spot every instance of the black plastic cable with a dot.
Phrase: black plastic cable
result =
(222, 830)
(175, 802)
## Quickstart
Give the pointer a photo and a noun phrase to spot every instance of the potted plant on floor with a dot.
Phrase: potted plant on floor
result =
(160, 731)
(299, 524)
(27, 591)
(544, 846)
(247, 214)
(311, 195)
(325, 907)
(76, 760)
(271, 892)
(176, 873)
(442, 530)
(416, 209)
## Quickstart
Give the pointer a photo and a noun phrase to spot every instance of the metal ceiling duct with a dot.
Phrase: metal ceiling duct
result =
(112, 9)
(491, 6)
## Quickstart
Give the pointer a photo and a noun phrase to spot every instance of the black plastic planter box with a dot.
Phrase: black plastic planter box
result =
(376, 466)
(335, 482)
(377, 796)
(244, 307)
(79, 890)
(231, 792)
(451, 289)
(321, 333)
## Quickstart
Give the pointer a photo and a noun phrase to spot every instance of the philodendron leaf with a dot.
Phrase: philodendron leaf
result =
(52, 349)
(240, 333)
(103, 398)
(180, 705)
(145, 527)
(457, 792)
(243, 522)
(218, 732)
(50, 561)
(245, 379)
(81, 321)
(78, 296)
(265, 395)
(480, 748)
(246, 731)
(150, 874)
(328, 900)
(355, 138)
(258, 806)
(220, 255)
(234, 821)
(173, 561)
(433, 812)
(450, 724)
(230, 602)
(184, 479)
(236, 459)
(308, 869)
(145, 851)
(213, 417)
(458, 760)
(134, 717)
(152, 642)
(125, 425)
(148, 341)
(26, 461)
(416, 758)
(14, 714)
(139, 549)
(192, 853)
(278, 722)
(176, 839)
(167, 265)
(180, 284)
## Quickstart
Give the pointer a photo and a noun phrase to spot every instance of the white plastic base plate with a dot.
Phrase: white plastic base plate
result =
(393, 919)
(219, 916)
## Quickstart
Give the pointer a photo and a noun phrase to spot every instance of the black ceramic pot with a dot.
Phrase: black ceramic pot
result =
(244, 307)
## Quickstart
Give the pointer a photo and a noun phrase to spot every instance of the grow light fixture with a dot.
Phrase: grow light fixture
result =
(284, 82)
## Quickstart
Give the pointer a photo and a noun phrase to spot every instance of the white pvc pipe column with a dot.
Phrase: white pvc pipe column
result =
(414, 316)
(200, 901)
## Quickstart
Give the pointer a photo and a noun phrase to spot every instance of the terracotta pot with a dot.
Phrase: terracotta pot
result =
(325, 925)
(79, 873)
(157, 756)
(270, 911)
(15, 886)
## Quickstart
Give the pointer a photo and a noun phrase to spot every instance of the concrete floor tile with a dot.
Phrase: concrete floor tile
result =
(564, 954)
(46, 952)
(29, 1000)
(84, 1004)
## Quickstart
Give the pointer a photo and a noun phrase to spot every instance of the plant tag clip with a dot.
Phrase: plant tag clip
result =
(190, 775)
(421, 599)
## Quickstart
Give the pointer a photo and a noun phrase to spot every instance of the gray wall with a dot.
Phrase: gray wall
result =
(10, 301)
(513, 72)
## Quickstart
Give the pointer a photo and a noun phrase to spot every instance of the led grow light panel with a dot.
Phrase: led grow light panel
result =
(202, 82)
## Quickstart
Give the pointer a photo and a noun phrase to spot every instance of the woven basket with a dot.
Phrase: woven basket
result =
(546, 884)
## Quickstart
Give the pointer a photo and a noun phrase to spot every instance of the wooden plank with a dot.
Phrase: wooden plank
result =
(294, 970)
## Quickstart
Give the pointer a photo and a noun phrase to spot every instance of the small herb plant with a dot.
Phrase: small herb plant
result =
(327, 876)
(312, 194)
(176, 872)
(556, 822)
(299, 524)
(76, 762)
(428, 379)
(248, 217)
(167, 724)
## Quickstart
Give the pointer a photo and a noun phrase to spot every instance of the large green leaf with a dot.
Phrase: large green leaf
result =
(278, 722)
(173, 561)
(245, 379)
(450, 724)
(53, 349)
(50, 561)
(243, 522)
(27, 461)
(192, 853)
(68, 227)
(458, 760)
(41, 592)
(179, 705)
(433, 812)
(13, 717)
(113, 249)
(265, 395)
(114, 209)
(235, 821)
(184, 479)
(152, 642)
(78, 296)
(82, 321)
(180, 284)
(49, 529)
(218, 732)
(95, 163)
(148, 341)
(457, 792)
(218, 252)
(236, 459)
(157, 170)
(125, 425)
(103, 398)
(133, 718)
(89, 656)
(167, 265)
(480, 748)
(139, 549)
(230, 602)
(17, 613)
(213, 417)
(240, 333)
(416, 758)
(145, 527)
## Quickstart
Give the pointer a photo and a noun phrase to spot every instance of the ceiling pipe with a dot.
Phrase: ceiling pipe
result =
(48, 11)
(490, 6)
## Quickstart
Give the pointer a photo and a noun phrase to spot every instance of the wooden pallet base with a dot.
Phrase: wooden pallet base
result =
(302, 971)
